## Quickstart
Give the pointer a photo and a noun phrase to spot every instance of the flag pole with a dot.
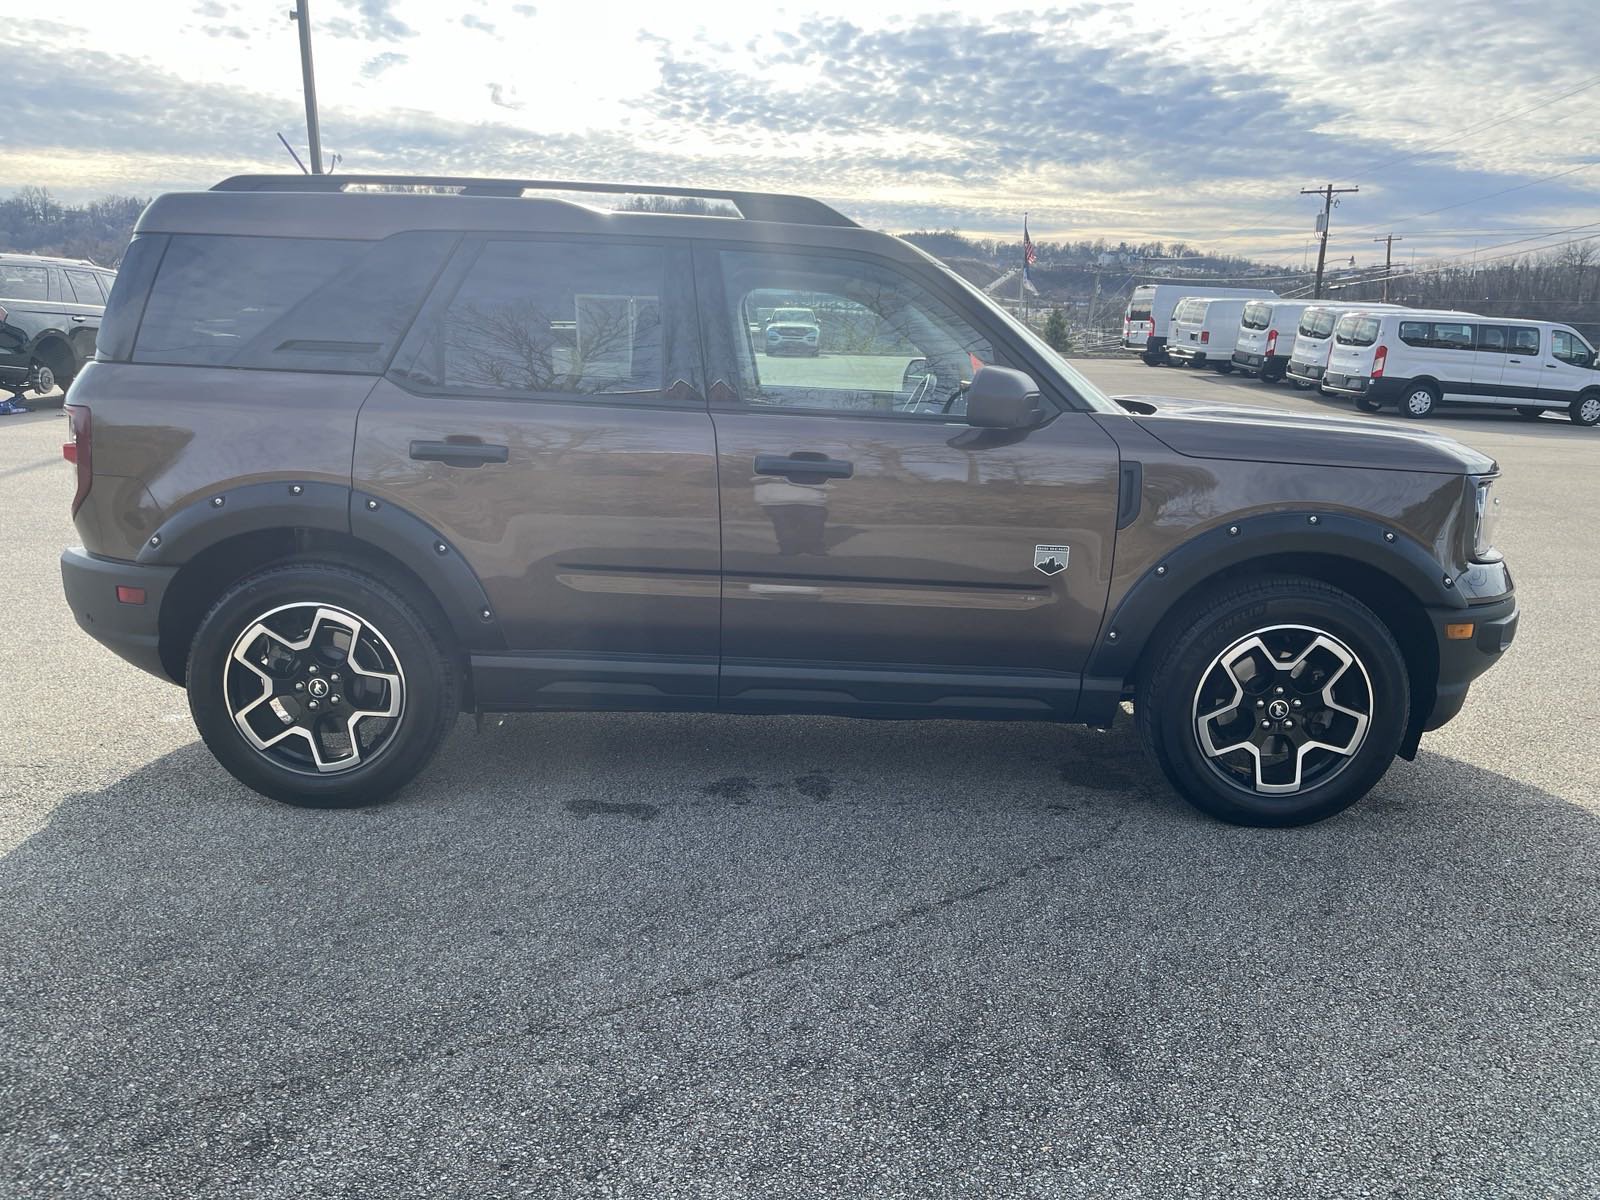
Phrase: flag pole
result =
(1022, 276)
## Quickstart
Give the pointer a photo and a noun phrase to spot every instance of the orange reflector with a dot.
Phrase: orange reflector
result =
(1459, 633)
(129, 595)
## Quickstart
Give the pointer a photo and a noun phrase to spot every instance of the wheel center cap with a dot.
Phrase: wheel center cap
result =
(1278, 710)
(319, 688)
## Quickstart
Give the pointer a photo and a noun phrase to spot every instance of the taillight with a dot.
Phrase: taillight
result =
(80, 450)
(1205, 336)
(1378, 359)
(1272, 340)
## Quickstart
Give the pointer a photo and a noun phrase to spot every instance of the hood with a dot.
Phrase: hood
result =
(1245, 433)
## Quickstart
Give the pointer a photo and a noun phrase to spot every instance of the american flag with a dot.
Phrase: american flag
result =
(1029, 255)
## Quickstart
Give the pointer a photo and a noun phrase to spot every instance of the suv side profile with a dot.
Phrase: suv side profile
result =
(49, 313)
(353, 461)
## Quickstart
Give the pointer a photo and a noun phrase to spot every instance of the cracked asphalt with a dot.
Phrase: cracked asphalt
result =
(661, 956)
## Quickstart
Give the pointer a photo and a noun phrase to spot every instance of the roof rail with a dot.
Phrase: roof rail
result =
(753, 206)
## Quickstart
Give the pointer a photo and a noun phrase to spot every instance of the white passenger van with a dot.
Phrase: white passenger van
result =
(1313, 339)
(1147, 321)
(1418, 360)
(1266, 336)
(1205, 330)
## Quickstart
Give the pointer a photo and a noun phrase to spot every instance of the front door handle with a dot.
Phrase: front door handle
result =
(459, 454)
(803, 467)
(79, 319)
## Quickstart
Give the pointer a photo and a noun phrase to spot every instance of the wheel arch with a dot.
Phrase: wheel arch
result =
(213, 545)
(1387, 571)
(55, 350)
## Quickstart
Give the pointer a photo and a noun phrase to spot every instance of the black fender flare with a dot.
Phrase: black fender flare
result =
(387, 527)
(1125, 633)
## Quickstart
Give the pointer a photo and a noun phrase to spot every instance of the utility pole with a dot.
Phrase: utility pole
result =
(1388, 241)
(1327, 192)
(301, 14)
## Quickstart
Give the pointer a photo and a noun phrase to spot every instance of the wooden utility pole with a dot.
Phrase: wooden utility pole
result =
(1388, 241)
(1327, 192)
(301, 14)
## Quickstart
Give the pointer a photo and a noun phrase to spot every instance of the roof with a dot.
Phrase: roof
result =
(10, 255)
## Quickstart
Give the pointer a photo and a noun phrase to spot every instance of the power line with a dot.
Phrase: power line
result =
(1479, 199)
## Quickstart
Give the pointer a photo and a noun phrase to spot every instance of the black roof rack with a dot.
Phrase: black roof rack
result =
(753, 206)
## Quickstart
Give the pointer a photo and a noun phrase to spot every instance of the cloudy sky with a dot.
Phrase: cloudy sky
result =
(1139, 118)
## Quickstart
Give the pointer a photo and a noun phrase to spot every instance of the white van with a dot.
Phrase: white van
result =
(1205, 330)
(1148, 318)
(1417, 360)
(1266, 336)
(1308, 357)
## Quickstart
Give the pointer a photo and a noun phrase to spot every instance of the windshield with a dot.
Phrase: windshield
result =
(1097, 400)
(1256, 315)
(794, 314)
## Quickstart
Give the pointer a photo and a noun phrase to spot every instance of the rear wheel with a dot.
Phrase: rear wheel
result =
(1282, 703)
(1222, 368)
(320, 686)
(1585, 409)
(1367, 404)
(1420, 400)
(1150, 360)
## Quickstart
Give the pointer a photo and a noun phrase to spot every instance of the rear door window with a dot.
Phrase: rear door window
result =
(1357, 331)
(547, 319)
(1256, 315)
(19, 282)
(86, 287)
(290, 304)
(1492, 339)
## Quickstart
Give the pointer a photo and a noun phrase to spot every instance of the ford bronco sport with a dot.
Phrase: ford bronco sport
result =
(352, 460)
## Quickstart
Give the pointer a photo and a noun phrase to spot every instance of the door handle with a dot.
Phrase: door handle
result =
(1552, 366)
(804, 465)
(459, 454)
(1515, 360)
(79, 320)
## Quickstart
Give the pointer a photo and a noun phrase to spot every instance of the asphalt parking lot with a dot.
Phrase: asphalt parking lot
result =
(685, 956)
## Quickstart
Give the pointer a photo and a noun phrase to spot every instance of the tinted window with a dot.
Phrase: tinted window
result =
(125, 302)
(86, 287)
(1317, 323)
(1524, 340)
(292, 304)
(1414, 333)
(1492, 338)
(18, 282)
(1256, 315)
(1356, 330)
(1569, 347)
(1139, 310)
(886, 345)
(549, 318)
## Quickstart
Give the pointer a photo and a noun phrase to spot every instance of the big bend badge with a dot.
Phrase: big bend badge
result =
(1050, 560)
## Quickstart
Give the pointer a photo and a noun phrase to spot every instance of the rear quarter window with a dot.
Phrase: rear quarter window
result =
(1414, 333)
(290, 304)
(22, 282)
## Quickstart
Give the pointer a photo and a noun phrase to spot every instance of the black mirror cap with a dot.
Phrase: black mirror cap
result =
(1000, 398)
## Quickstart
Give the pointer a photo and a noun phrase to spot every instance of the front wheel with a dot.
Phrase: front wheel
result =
(1420, 400)
(318, 685)
(1585, 409)
(1282, 703)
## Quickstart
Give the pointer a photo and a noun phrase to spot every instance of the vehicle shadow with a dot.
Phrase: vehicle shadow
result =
(579, 935)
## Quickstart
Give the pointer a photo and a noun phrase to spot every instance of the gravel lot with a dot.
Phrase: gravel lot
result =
(686, 956)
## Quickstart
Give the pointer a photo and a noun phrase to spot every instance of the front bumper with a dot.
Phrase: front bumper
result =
(1461, 660)
(133, 631)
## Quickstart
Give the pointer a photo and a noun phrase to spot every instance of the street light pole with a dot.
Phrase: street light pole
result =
(301, 14)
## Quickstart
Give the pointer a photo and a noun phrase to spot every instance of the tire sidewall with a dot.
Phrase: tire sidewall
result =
(1411, 390)
(430, 685)
(1193, 652)
(1577, 409)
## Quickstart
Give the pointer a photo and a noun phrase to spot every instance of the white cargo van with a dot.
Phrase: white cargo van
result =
(1418, 360)
(1146, 323)
(1205, 330)
(1266, 335)
(1308, 357)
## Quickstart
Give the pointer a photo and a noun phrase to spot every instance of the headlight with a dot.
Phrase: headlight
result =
(1488, 524)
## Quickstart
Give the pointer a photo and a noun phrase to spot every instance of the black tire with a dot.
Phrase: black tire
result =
(1222, 368)
(1150, 360)
(1367, 404)
(1418, 400)
(1283, 610)
(1585, 410)
(400, 746)
(1529, 412)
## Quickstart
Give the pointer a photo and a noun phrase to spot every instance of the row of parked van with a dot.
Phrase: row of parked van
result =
(1373, 354)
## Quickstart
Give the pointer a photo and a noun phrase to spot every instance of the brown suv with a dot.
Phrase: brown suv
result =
(354, 458)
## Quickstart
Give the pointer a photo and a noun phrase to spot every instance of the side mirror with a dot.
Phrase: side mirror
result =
(1000, 398)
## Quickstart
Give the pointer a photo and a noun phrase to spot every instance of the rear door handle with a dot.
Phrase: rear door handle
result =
(803, 466)
(459, 454)
(80, 319)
